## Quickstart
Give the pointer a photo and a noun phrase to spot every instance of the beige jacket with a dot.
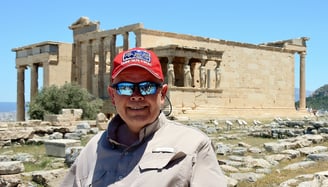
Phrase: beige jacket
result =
(167, 154)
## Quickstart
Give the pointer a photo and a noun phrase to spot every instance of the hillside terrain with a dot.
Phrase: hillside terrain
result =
(297, 94)
(318, 100)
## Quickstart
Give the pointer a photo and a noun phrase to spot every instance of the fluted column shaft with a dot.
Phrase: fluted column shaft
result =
(302, 81)
(34, 81)
(125, 41)
(20, 106)
(101, 70)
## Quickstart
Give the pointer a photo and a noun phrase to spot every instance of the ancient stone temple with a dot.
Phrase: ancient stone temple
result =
(207, 77)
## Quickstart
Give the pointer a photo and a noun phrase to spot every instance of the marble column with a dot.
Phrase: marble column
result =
(125, 41)
(20, 105)
(112, 48)
(90, 66)
(34, 81)
(137, 38)
(102, 69)
(79, 62)
(45, 67)
(302, 81)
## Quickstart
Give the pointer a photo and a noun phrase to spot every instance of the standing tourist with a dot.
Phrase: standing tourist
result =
(141, 147)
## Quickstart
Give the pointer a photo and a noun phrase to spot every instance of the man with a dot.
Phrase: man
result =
(141, 147)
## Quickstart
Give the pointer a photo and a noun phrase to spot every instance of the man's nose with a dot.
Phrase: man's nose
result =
(136, 96)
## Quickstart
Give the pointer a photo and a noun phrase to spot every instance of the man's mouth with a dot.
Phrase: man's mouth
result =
(137, 107)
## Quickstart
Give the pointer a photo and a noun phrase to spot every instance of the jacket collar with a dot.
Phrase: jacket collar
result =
(146, 131)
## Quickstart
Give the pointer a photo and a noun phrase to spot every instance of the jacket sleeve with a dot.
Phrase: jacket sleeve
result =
(206, 170)
(69, 180)
(78, 174)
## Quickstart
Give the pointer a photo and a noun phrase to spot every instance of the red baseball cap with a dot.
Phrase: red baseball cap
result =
(138, 57)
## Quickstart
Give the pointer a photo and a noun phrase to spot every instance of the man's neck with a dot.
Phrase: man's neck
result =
(125, 136)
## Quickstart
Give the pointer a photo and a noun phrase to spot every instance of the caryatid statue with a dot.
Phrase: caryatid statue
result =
(187, 76)
(202, 72)
(170, 75)
(217, 77)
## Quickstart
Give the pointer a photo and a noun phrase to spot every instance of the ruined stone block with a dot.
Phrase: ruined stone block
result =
(57, 147)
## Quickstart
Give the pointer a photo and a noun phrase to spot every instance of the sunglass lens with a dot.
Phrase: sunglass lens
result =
(147, 88)
(125, 88)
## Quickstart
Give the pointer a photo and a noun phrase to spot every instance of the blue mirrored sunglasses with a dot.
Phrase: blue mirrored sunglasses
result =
(144, 88)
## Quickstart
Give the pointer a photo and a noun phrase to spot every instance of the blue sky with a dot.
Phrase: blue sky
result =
(252, 21)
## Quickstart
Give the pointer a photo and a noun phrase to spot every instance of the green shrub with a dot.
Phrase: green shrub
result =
(52, 99)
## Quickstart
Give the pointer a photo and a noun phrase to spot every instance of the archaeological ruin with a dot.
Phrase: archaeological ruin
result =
(207, 77)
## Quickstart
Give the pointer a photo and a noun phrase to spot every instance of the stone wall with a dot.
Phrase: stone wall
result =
(196, 104)
(252, 76)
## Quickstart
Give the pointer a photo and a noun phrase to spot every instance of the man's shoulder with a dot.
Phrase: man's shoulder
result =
(178, 127)
(181, 137)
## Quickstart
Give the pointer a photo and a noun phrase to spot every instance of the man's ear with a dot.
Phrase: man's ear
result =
(164, 91)
(111, 91)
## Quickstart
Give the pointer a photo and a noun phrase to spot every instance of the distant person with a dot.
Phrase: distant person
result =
(141, 147)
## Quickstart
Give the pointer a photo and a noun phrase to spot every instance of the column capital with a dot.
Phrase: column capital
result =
(302, 53)
(170, 59)
(218, 63)
(203, 62)
(186, 60)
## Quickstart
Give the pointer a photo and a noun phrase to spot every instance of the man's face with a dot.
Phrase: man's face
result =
(137, 110)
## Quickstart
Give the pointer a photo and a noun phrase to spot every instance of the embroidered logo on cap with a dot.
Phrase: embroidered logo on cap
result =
(136, 55)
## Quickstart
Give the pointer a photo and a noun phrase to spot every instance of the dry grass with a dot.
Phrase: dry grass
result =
(39, 154)
(278, 176)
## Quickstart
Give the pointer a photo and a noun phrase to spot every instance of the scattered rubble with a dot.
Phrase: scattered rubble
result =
(240, 161)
